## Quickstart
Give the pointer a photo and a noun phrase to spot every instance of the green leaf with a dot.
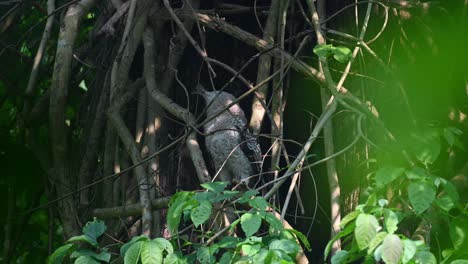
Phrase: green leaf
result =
(274, 222)
(228, 242)
(378, 253)
(127, 245)
(201, 213)
(424, 257)
(177, 205)
(164, 244)
(247, 196)
(216, 186)
(250, 223)
(259, 203)
(387, 174)
(94, 229)
(458, 231)
(342, 54)
(416, 173)
(366, 229)
(346, 231)
(421, 194)
(206, 254)
(340, 257)
(392, 249)
(175, 258)
(102, 256)
(323, 50)
(84, 238)
(151, 253)
(349, 217)
(445, 202)
(390, 221)
(250, 250)
(226, 258)
(60, 253)
(426, 145)
(460, 261)
(375, 242)
(132, 255)
(289, 246)
(86, 260)
(409, 250)
(301, 238)
(449, 136)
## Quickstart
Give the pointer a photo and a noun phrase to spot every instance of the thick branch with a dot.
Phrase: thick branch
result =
(129, 210)
(173, 108)
(58, 96)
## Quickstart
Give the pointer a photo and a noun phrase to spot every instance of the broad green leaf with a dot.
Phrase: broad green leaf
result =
(94, 229)
(127, 245)
(323, 50)
(424, 257)
(250, 250)
(449, 136)
(366, 229)
(175, 258)
(460, 261)
(102, 256)
(387, 174)
(421, 194)
(342, 54)
(378, 253)
(301, 238)
(348, 218)
(259, 203)
(228, 242)
(426, 145)
(340, 257)
(458, 230)
(416, 173)
(151, 253)
(346, 231)
(216, 186)
(86, 260)
(201, 213)
(392, 249)
(133, 253)
(247, 196)
(226, 258)
(445, 202)
(390, 221)
(382, 202)
(178, 203)
(289, 246)
(451, 190)
(84, 238)
(261, 256)
(274, 222)
(164, 244)
(60, 253)
(409, 249)
(375, 242)
(250, 223)
(206, 255)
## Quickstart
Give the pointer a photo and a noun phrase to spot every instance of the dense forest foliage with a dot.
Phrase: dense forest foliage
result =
(359, 108)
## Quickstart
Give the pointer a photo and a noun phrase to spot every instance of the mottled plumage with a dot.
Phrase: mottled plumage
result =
(234, 150)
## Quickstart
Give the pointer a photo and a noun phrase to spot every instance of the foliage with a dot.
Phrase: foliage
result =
(370, 231)
(77, 247)
(277, 245)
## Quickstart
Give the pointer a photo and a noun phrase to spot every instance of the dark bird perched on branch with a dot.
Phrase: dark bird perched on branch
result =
(234, 150)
